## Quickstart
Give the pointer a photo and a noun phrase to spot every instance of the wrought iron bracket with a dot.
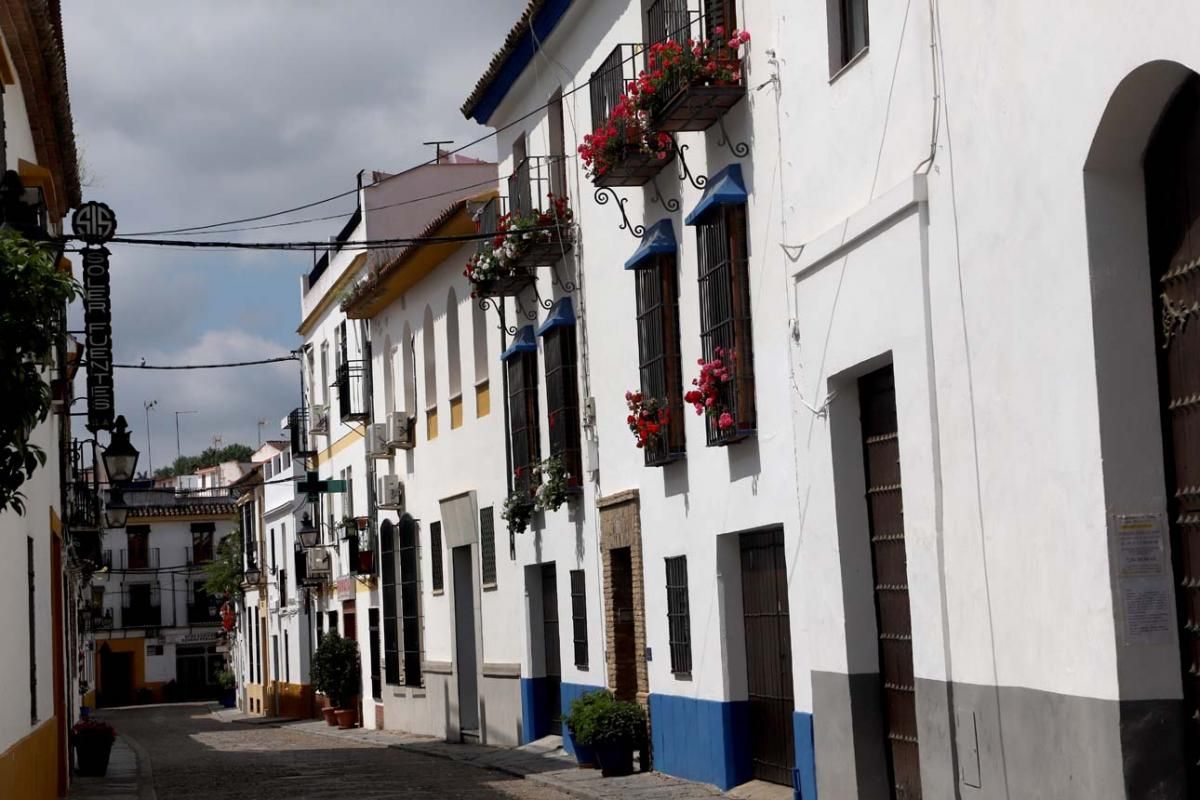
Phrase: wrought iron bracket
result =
(567, 286)
(698, 181)
(490, 302)
(671, 204)
(602, 196)
(546, 304)
(739, 149)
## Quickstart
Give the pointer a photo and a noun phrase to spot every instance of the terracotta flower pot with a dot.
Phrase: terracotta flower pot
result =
(346, 718)
(330, 714)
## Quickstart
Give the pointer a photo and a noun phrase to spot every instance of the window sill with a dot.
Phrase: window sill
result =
(682, 676)
(733, 438)
(489, 587)
(438, 592)
(859, 56)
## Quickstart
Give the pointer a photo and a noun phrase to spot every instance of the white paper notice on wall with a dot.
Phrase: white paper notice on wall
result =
(1143, 577)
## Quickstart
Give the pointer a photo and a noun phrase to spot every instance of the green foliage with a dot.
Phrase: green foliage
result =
(597, 719)
(226, 679)
(223, 575)
(186, 465)
(33, 299)
(335, 669)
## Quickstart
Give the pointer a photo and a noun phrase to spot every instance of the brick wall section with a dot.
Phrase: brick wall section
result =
(620, 526)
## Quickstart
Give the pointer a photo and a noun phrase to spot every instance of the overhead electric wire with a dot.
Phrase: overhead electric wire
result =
(441, 154)
(222, 365)
(370, 244)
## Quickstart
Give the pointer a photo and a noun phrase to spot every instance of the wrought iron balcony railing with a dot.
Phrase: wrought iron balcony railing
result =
(203, 614)
(698, 102)
(506, 285)
(147, 559)
(300, 429)
(351, 380)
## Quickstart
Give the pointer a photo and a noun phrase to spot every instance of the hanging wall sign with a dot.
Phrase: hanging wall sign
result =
(95, 223)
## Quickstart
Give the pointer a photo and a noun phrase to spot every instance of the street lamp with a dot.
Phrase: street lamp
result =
(307, 533)
(252, 574)
(116, 511)
(120, 457)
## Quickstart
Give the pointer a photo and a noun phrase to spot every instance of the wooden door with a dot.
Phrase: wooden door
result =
(889, 568)
(624, 632)
(1172, 168)
(768, 656)
(550, 643)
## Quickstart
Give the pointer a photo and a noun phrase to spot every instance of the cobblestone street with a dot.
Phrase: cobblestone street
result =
(192, 755)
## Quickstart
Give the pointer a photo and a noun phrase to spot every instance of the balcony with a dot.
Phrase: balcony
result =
(83, 506)
(537, 196)
(298, 425)
(147, 559)
(314, 567)
(488, 276)
(141, 616)
(203, 614)
(320, 421)
(633, 155)
(351, 379)
(100, 621)
(690, 100)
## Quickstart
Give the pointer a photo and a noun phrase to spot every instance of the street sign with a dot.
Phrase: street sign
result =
(95, 223)
(312, 485)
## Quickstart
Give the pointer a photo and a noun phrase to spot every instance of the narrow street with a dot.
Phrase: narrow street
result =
(193, 755)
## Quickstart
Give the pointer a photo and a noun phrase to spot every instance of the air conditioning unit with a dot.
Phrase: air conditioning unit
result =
(400, 430)
(389, 493)
(377, 446)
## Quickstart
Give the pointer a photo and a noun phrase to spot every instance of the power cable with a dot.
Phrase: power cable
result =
(370, 244)
(275, 360)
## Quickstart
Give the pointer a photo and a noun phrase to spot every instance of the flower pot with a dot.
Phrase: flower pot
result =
(91, 756)
(346, 718)
(228, 698)
(615, 759)
(585, 756)
(330, 714)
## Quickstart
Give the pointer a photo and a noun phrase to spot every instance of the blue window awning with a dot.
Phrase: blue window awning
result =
(563, 313)
(726, 188)
(659, 239)
(523, 342)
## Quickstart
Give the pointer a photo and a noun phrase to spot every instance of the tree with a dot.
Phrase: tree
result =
(32, 310)
(223, 575)
(186, 465)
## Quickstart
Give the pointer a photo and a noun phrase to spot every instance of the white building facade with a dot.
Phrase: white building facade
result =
(910, 566)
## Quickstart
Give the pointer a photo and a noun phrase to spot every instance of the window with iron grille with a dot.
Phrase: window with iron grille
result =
(410, 601)
(435, 555)
(579, 617)
(391, 639)
(30, 576)
(487, 547)
(658, 353)
(523, 417)
(202, 542)
(372, 653)
(848, 32)
(679, 626)
(562, 399)
(725, 320)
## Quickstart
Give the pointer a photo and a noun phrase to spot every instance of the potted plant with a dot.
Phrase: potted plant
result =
(613, 729)
(706, 397)
(518, 510)
(581, 722)
(648, 419)
(556, 484)
(228, 683)
(335, 674)
(93, 741)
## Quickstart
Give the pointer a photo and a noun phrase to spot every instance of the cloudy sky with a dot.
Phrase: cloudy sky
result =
(193, 113)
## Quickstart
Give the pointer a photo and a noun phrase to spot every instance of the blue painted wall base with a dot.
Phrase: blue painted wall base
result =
(804, 777)
(701, 740)
(534, 722)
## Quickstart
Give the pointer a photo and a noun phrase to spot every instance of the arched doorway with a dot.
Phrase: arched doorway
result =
(1172, 174)
(1141, 184)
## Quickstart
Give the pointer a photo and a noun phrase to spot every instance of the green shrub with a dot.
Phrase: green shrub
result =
(598, 719)
(226, 679)
(584, 709)
(335, 668)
